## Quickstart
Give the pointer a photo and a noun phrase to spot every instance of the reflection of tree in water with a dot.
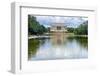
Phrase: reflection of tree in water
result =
(33, 45)
(83, 41)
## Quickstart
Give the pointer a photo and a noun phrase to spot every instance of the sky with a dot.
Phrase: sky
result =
(69, 21)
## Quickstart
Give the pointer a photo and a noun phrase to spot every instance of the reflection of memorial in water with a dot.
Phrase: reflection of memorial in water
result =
(58, 38)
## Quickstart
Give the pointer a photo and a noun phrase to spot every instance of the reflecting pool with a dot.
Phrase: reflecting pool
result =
(58, 46)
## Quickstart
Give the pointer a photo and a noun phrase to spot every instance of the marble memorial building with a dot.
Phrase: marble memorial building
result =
(58, 25)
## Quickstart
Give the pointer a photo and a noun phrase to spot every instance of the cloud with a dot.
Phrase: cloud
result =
(69, 21)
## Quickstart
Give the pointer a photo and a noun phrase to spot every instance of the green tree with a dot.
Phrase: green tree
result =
(82, 29)
(70, 29)
(34, 27)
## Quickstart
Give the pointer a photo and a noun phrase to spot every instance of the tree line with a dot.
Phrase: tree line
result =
(82, 29)
(34, 27)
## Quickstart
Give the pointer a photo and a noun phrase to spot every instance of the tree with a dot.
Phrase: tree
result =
(70, 29)
(34, 27)
(82, 29)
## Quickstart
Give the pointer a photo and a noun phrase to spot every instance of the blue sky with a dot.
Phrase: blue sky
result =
(69, 21)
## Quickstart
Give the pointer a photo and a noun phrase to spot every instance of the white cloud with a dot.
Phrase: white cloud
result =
(69, 21)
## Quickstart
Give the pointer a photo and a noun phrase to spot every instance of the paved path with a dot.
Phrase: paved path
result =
(33, 37)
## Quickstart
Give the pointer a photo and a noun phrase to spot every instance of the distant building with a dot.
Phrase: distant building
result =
(58, 27)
